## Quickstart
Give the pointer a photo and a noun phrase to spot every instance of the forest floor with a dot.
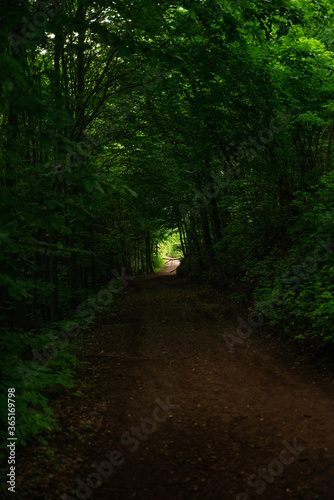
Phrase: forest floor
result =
(179, 415)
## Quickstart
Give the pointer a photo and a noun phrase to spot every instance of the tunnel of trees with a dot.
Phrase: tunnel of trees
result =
(125, 121)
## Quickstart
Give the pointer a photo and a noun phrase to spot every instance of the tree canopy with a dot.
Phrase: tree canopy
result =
(125, 121)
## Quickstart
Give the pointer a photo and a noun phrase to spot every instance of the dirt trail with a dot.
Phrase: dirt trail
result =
(234, 414)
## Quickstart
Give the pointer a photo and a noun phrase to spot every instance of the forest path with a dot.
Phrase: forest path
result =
(234, 413)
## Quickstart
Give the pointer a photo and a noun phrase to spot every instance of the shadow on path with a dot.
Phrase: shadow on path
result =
(234, 415)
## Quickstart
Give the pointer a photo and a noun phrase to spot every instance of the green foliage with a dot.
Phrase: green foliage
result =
(171, 245)
(304, 282)
(158, 262)
(31, 381)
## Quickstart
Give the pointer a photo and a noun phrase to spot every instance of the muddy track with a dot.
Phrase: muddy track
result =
(173, 414)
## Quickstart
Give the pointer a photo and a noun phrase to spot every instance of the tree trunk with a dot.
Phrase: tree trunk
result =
(72, 273)
(216, 219)
(206, 229)
(148, 254)
(53, 270)
(197, 246)
(181, 239)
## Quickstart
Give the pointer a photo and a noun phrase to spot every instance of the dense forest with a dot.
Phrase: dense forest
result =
(200, 129)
